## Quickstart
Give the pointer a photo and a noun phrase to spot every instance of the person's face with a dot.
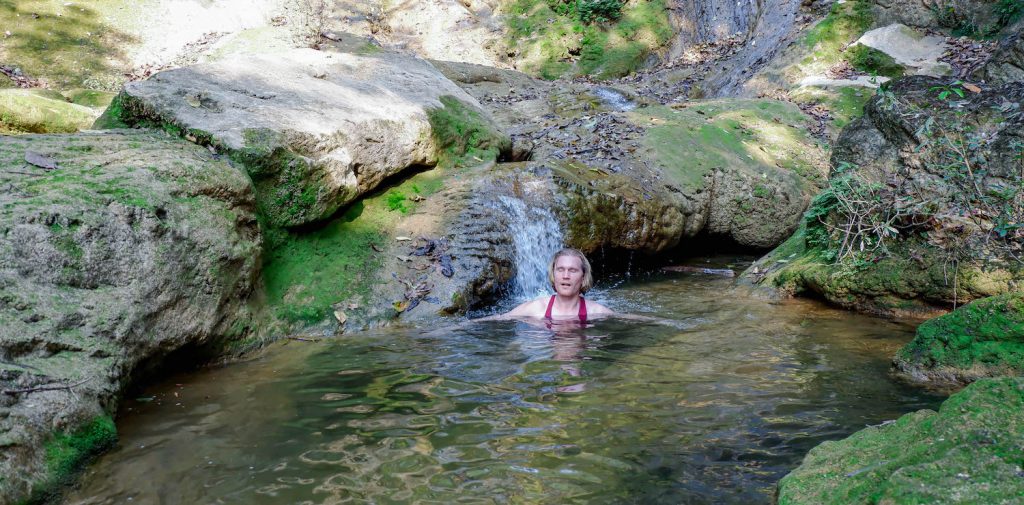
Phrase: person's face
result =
(568, 275)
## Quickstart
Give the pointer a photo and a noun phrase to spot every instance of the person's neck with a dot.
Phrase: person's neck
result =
(567, 302)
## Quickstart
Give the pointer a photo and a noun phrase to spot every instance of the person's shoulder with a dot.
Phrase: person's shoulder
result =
(598, 309)
(530, 308)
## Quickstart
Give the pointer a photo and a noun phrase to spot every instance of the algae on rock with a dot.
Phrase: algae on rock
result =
(982, 339)
(968, 452)
(135, 246)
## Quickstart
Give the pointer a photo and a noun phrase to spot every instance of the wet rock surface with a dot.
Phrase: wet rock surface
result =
(315, 129)
(117, 249)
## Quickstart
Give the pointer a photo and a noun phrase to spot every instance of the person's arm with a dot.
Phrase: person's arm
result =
(525, 309)
(598, 310)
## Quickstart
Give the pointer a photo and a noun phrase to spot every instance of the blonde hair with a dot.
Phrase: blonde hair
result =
(588, 277)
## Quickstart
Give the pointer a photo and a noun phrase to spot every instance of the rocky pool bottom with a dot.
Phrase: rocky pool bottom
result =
(714, 407)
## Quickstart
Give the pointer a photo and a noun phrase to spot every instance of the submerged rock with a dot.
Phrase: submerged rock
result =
(314, 129)
(130, 247)
(924, 208)
(982, 339)
(968, 452)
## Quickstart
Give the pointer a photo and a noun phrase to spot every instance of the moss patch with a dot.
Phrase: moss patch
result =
(39, 111)
(872, 61)
(67, 452)
(983, 338)
(463, 136)
(823, 44)
(90, 98)
(307, 271)
(746, 134)
(844, 103)
(69, 45)
(557, 41)
(968, 452)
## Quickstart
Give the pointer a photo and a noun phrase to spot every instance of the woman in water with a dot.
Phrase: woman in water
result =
(570, 276)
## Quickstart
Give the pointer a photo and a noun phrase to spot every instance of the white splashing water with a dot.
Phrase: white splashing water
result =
(536, 236)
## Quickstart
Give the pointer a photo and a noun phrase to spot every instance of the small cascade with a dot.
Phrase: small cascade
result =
(614, 99)
(536, 236)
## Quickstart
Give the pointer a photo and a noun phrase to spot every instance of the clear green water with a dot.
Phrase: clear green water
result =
(714, 408)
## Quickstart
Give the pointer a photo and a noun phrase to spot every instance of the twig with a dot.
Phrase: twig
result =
(300, 339)
(45, 388)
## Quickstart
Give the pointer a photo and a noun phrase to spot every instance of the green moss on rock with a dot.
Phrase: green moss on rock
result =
(37, 111)
(67, 452)
(462, 134)
(555, 41)
(750, 135)
(872, 61)
(982, 339)
(968, 452)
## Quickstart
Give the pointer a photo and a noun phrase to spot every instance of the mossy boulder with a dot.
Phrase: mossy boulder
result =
(41, 111)
(968, 452)
(982, 339)
(314, 129)
(117, 250)
(911, 222)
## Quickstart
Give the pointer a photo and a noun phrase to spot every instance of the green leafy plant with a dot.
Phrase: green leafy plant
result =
(945, 91)
(396, 201)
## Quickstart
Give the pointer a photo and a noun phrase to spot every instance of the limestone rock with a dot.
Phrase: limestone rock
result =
(1007, 64)
(953, 232)
(649, 177)
(968, 452)
(315, 129)
(915, 51)
(137, 246)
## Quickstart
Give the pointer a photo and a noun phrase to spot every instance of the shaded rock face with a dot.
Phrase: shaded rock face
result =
(761, 28)
(967, 452)
(924, 205)
(983, 339)
(135, 246)
(1007, 64)
(315, 129)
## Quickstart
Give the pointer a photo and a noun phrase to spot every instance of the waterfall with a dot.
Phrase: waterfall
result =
(536, 236)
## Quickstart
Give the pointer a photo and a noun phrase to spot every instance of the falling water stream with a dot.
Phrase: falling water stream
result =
(713, 404)
(536, 235)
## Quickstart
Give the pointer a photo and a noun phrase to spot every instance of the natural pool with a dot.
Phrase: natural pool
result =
(713, 408)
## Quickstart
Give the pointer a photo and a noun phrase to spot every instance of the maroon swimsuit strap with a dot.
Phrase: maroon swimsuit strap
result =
(583, 309)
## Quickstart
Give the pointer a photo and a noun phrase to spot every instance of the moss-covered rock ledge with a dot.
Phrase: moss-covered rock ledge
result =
(925, 205)
(314, 129)
(982, 339)
(969, 452)
(117, 250)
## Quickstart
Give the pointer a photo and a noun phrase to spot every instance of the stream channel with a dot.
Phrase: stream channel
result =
(714, 407)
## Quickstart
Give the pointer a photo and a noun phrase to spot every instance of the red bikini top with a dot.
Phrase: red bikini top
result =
(583, 309)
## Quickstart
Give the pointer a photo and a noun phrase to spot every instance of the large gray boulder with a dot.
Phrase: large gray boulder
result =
(314, 129)
(117, 249)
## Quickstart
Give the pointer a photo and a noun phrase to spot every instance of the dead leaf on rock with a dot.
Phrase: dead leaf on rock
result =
(40, 160)
(972, 88)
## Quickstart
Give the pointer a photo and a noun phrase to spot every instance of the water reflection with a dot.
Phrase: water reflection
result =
(714, 409)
